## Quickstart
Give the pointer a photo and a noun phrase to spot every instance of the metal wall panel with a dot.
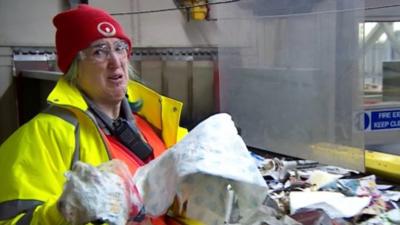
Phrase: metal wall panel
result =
(151, 73)
(203, 90)
(177, 84)
(382, 10)
(8, 114)
(185, 74)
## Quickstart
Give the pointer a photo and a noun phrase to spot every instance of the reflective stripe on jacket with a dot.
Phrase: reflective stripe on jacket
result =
(34, 159)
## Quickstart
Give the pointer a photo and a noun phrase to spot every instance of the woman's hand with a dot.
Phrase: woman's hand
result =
(104, 193)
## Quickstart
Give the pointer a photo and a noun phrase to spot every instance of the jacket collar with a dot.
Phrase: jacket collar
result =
(65, 94)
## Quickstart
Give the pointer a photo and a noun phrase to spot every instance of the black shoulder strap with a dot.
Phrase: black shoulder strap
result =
(123, 128)
(70, 117)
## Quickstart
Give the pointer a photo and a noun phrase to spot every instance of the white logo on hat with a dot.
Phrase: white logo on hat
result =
(106, 29)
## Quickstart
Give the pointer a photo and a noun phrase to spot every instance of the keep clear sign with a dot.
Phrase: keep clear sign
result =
(382, 120)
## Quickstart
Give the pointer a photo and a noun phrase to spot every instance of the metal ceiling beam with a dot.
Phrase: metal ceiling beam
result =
(388, 28)
(373, 37)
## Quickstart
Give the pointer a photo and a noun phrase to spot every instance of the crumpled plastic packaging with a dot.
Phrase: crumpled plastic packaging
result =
(198, 170)
(104, 193)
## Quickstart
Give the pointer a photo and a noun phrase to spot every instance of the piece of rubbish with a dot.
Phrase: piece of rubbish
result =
(394, 216)
(319, 179)
(104, 193)
(197, 171)
(335, 204)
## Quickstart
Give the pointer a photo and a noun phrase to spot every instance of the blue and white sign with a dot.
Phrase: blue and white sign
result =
(379, 120)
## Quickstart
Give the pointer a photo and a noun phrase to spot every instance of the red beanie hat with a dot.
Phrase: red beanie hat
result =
(77, 28)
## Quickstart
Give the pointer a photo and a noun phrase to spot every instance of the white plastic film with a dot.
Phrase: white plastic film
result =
(290, 76)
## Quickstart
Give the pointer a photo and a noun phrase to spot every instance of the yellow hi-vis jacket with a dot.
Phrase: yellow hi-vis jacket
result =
(34, 159)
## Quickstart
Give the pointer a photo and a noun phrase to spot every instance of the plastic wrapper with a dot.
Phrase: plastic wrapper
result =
(198, 170)
(104, 193)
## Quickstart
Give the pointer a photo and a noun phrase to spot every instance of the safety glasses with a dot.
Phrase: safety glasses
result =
(101, 52)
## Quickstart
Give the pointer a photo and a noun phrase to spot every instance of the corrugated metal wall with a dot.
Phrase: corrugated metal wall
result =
(185, 74)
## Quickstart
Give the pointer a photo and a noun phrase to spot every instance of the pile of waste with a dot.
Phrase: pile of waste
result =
(217, 180)
(318, 194)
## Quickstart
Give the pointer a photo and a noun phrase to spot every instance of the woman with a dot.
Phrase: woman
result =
(96, 114)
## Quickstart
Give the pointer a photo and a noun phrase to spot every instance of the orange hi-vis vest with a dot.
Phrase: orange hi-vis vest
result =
(119, 151)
